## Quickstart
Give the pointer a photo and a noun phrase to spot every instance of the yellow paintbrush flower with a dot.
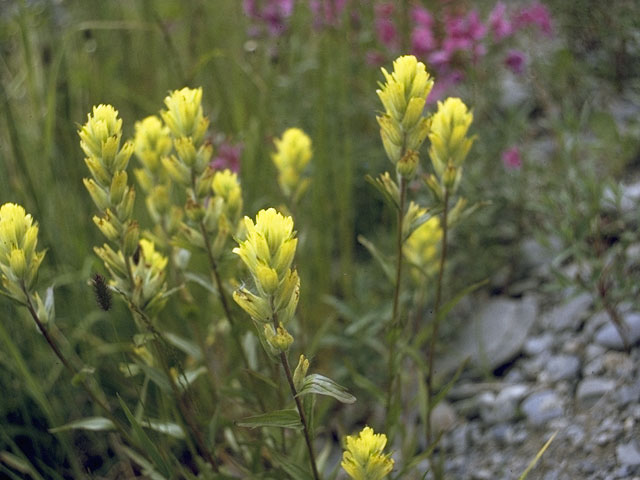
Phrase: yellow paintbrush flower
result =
(293, 153)
(363, 458)
(449, 141)
(152, 141)
(19, 259)
(403, 126)
(422, 246)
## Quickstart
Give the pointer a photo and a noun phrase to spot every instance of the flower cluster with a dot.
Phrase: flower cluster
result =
(272, 15)
(459, 39)
(19, 259)
(292, 155)
(403, 127)
(132, 269)
(364, 459)
(268, 252)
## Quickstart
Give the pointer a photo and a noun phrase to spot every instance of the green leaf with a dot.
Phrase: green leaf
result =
(145, 442)
(287, 418)
(385, 186)
(321, 385)
(156, 376)
(147, 468)
(201, 280)
(443, 392)
(185, 381)
(185, 345)
(293, 469)
(375, 253)
(95, 424)
(446, 308)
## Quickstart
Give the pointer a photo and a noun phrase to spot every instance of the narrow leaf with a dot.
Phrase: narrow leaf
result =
(375, 253)
(145, 442)
(168, 428)
(95, 424)
(293, 469)
(537, 457)
(185, 345)
(321, 385)
(287, 418)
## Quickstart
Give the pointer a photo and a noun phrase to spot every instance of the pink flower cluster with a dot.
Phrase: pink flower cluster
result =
(460, 39)
(273, 14)
(227, 154)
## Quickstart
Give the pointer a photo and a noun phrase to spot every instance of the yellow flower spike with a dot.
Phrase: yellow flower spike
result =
(19, 259)
(448, 135)
(152, 141)
(293, 153)
(409, 80)
(403, 127)
(267, 279)
(421, 248)
(184, 115)
(102, 125)
(363, 458)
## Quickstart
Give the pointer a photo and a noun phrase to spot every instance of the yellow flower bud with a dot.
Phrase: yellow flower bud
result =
(109, 229)
(18, 263)
(152, 141)
(258, 308)
(102, 125)
(408, 164)
(363, 458)
(118, 187)
(280, 340)
(98, 194)
(300, 372)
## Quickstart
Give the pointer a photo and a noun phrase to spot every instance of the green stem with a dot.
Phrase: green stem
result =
(394, 325)
(185, 408)
(223, 296)
(72, 370)
(436, 312)
(303, 419)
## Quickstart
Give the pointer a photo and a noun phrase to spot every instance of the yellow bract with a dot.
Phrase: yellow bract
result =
(184, 115)
(363, 458)
(225, 185)
(421, 248)
(293, 153)
(152, 142)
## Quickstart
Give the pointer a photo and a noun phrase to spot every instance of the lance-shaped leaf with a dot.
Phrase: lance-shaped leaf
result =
(375, 253)
(287, 418)
(321, 385)
(95, 424)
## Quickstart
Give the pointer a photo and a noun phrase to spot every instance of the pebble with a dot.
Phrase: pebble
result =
(568, 314)
(562, 367)
(591, 389)
(609, 337)
(628, 454)
(540, 407)
(536, 345)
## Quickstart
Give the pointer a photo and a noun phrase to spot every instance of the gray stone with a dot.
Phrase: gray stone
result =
(568, 314)
(591, 389)
(502, 433)
(492, 337)
(536, 345)
(628, 454)
(502, 407)
(609, 337)
(562, 367)
(540, 407)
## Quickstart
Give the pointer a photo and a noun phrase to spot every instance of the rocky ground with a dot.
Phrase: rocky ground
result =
(555, 365)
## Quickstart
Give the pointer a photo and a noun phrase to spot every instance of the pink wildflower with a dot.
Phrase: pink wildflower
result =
(421, 17)
(499, 24)
(535, 14)
(422, 40)
(515, 61)
(511, 158)
(227, 156)
(385, 27)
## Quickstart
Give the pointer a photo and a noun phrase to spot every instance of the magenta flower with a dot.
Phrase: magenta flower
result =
(274, 14)
(422, 40)
(499, 24)
(421, 17)
(227, 156)
(535, 14)
(515, 61)
(443, 84)
(385, 27)
(327, 12)
(511, 158)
